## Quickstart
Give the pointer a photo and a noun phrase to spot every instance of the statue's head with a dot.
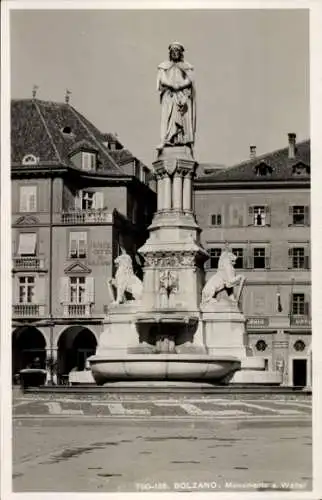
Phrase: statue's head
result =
(227, 259)
(176, 51)
(123, 261)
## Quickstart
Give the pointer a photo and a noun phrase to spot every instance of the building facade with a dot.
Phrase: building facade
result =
(261, 207)
(78, 197)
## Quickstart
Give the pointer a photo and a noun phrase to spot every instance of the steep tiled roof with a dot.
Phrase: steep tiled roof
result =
(280, 167)
(122, 155)
(208, 168)
(37, 128)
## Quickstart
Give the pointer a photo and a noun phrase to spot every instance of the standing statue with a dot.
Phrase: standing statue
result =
(178, 100)
(125, 279)
(224, 279)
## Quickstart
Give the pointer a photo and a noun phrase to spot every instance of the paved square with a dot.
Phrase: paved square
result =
(185, 444)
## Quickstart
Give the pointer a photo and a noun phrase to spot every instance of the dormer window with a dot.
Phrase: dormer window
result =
(84, 155)
(88, 161)
(300, 169)
(263, 169)
(30, 160)
(67, 131)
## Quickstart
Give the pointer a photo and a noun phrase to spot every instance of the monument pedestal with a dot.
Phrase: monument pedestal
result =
(224, 328)
(120, 332)
(224, 333)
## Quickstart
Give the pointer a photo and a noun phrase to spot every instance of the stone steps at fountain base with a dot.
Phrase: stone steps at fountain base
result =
(170, 389)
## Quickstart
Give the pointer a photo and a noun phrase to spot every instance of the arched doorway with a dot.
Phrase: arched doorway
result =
(75, 345)
(28, 343)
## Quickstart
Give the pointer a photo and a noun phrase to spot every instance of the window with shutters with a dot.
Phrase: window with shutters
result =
(26, 289)
(28, 199)
(87, 200)
(77, 290)
(77, 244)
(258, 215)
(27, 244)
(214, 257)
(259, 258)
(298, 258)
(299, 215)
(216, 220)
(239, 252)
(298, 305)
(88, 161)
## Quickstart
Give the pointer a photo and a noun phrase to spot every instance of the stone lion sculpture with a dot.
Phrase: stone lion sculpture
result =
(225, 278)
(125, 279)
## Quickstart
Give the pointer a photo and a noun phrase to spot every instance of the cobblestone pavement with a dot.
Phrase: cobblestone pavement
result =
(161, 445)
(169, 408)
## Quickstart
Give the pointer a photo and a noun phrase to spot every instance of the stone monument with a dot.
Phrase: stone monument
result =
(175, 84)
(175, 328)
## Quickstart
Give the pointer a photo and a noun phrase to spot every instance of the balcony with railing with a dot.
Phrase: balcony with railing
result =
(72, 310)
(28, 263)
(86, 216)
(28, 310)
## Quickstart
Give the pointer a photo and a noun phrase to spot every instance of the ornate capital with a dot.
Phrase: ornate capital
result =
(169, 259)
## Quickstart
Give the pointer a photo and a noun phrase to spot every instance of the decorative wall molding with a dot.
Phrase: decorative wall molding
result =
(77, 268)
(172, 259)
(27, 220)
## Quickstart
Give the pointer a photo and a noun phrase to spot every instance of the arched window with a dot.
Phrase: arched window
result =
(30, 160)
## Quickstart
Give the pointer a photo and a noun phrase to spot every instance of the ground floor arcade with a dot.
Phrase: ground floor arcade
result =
(60, 351)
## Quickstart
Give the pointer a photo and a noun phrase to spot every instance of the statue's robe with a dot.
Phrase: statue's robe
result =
(178, 108)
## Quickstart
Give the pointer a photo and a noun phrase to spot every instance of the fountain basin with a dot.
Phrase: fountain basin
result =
(164, 366)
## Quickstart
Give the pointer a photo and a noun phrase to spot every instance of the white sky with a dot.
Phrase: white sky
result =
(251, 70)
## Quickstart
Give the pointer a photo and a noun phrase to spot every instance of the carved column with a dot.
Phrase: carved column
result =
(177, 191)
(52, 354)
(51, 365)
(166, 192)
(160, 192)
(187, 192)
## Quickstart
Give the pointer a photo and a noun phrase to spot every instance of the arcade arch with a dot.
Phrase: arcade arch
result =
(75, 344)
(28, 344)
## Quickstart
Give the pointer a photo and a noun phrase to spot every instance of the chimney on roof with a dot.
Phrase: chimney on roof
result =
(291, 145)
(67, 96)
(34, 91)
(252, 152)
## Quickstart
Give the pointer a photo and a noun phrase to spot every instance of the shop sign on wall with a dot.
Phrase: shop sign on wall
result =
(100, 253)
(301, 321)
(260, 322)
